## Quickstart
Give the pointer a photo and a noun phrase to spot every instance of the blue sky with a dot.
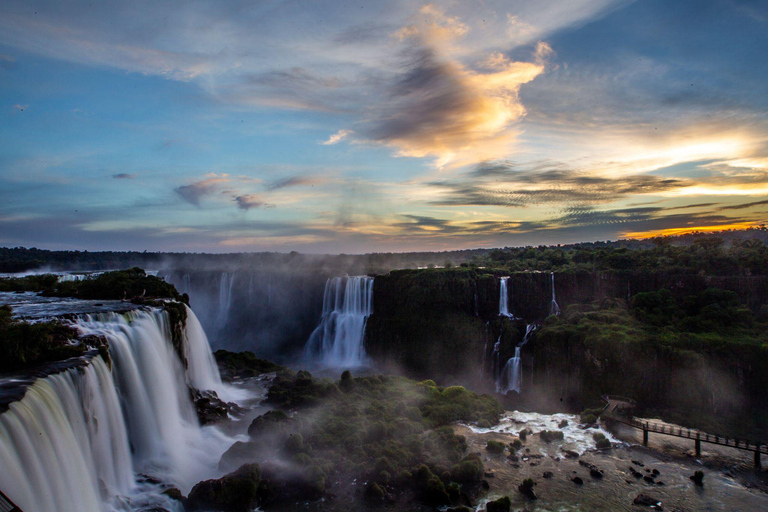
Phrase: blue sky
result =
(369, 126)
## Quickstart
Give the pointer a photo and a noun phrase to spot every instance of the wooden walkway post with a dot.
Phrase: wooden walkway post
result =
(698, 445)
(645, 435)
(757, 457)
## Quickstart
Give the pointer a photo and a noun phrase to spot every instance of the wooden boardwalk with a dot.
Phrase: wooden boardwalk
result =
(7, 505)
(621, 409)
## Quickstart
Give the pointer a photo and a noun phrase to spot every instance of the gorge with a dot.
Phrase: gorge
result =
(125, 412)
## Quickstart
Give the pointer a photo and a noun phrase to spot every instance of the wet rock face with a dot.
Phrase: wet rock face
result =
(648, 501)
(503, 504)
(210, 408)
(239, 491)
(698, 478)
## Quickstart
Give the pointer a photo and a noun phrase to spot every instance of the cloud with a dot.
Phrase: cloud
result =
(248, 201)
(194, 192)
(437, 106)
(337, 137)
(292, 181)
(124, 176)
(500, 184)
(743, 206)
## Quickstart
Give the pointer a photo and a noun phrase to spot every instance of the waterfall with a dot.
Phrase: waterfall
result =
(165, 436)
(202, 372)
(511, 376)
(83, 439)
(225, 298)
(64, 446)
(554, 309)
(338, 340)
(495, 361)
(504, 299)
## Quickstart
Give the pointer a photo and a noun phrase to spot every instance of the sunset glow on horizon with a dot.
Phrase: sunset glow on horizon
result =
(327, 128)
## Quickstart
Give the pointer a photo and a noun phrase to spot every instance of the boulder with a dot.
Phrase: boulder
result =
(503, 504)
(238, 491)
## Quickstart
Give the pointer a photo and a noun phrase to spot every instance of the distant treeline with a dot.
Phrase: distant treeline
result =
(724, 252)
(706, 255)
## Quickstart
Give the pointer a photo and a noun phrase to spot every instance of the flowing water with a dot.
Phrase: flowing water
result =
(726, 484)
(504, 299)
(511, 376)
(339, 339)
(82, 439)
(554, 309)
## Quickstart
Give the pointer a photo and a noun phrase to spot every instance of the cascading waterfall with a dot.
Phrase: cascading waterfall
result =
(77, 439)
(511, 377)
(554, 309)
(202, 371)
(164, 432)
(64, 446)
(338, 340)
(504, 299)
(495, 359)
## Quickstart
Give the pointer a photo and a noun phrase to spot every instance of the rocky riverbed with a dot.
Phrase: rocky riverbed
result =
(573, 475)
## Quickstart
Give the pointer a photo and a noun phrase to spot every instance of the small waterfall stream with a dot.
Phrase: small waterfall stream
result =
(554, 309)
(338, 340)
(511, 376)
(504, 299)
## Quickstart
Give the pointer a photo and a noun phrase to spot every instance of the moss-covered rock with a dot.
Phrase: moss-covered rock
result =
(502, 504)
(267, 422)
(24, 344)
(386, 430)
(239, 491)
(243, 365)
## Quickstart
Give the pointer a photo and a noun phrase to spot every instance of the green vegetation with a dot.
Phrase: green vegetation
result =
(24, 344)
(711, 255)
(387, 430)
(243, 365)
(503, 504)
(239, 491)
(551, 435)
(672, 353)
(495, 446)
(132, 283)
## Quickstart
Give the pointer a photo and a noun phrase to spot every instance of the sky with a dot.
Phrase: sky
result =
(351, 127)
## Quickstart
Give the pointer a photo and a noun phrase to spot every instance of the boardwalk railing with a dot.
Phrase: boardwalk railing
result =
(6, 505)
(620, 409)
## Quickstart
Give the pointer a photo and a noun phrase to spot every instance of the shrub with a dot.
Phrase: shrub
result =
(470, 469)
(502, 504)
(495, 447)
(551, 435)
